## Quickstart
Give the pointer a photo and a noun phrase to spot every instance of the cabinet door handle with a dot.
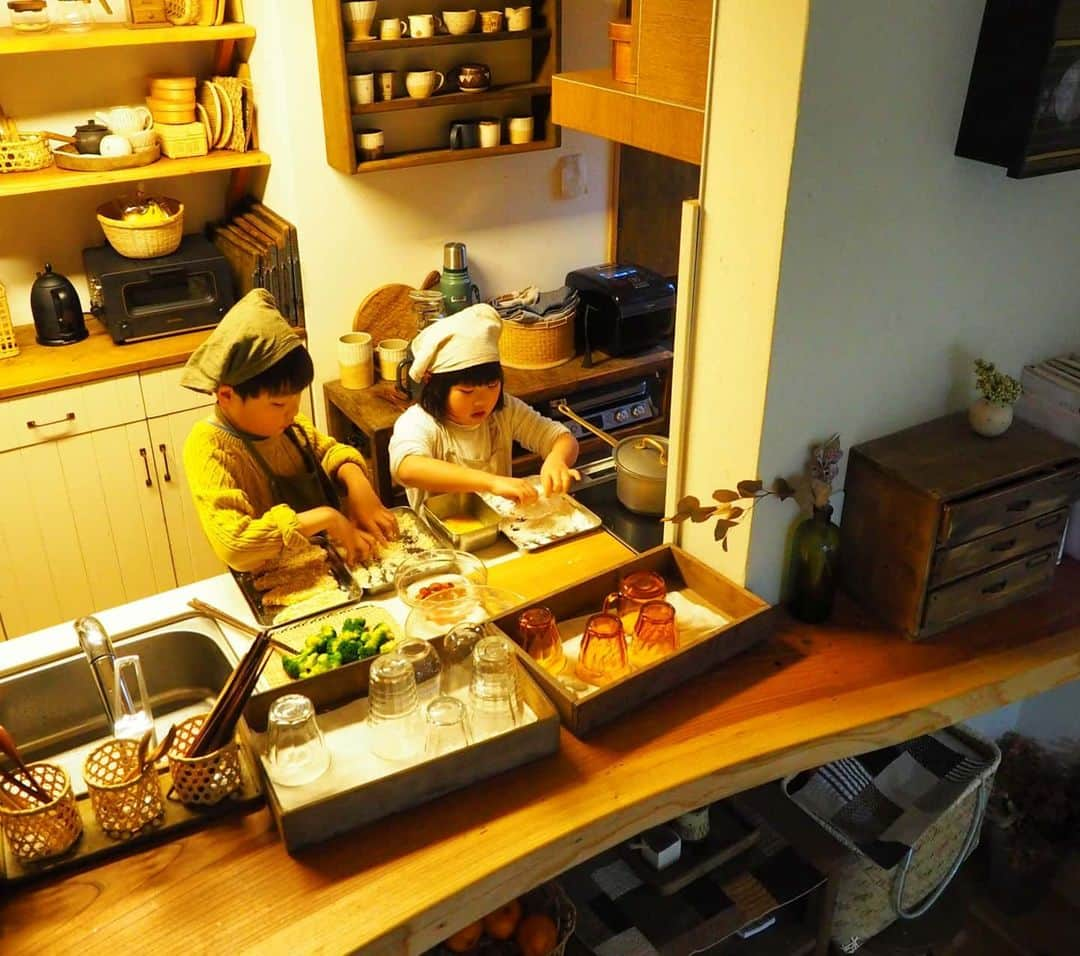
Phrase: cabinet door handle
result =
(1048, 522)
(1039, 559)
(69, 417)
(995, 588)
(1020, 505)
(146, 465)
(165, 461)
(1004, 545)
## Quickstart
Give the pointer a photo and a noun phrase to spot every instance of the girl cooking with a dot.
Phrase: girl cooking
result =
(460, 435)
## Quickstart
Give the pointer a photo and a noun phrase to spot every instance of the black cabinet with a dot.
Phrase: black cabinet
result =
(1023, 102)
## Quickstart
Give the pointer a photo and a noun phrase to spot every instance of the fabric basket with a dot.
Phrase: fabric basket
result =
(910, 813)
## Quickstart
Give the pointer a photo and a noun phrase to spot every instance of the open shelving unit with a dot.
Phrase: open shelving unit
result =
(340, 57)
(104, 35)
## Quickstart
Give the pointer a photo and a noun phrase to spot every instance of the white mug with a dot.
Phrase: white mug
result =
(393, 29)
(126, 119)
(490, 133)
(362, 88)
(422, 83)
(520, 129)
(354, 360)
(370, 143)
(422, 25)
(391, 353)
(518, 18)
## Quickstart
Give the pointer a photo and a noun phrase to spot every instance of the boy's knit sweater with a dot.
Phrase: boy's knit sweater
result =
(246, 528)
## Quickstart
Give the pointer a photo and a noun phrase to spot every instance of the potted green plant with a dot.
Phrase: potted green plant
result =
(992, 413)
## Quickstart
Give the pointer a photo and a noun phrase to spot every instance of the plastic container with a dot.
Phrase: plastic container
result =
(29, 16)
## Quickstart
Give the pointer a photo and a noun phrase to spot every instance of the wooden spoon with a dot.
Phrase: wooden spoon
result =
(7, 745)
(162, 748)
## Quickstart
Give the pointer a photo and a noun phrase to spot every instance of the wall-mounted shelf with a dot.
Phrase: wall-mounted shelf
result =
(53, 179)
(104, 35)
(412, 138)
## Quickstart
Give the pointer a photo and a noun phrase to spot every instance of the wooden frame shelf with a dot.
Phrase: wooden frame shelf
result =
(105, 35)
(375, 44)
(54, 179)
(429, 157)
(507, 92)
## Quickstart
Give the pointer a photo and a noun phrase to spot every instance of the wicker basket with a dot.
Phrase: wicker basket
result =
(21, 152)
(8, 346)
(43, 831)
(202, 780)
(543, 344)
(123, 808)
(549, 899)
(142, 241)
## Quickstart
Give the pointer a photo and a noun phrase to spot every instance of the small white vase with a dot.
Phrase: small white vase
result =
(988, 419)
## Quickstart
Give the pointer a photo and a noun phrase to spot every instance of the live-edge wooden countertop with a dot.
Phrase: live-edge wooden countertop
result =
(808, 695)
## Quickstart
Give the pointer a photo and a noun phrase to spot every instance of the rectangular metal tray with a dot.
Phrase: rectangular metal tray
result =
(517, 529)
(349, 589)
(386, 569)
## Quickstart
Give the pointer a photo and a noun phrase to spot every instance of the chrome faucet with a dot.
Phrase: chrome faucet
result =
(99, 652)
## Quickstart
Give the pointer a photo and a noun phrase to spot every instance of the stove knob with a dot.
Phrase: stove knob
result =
(621, 415)
(638, 411)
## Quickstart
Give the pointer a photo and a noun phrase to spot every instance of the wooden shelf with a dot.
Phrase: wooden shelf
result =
(429, 156)
(375, 44)
(102, 36)
(53, 179)
(507, 92)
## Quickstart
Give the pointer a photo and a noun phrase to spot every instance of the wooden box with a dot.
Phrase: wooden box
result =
(302, 823)
(749, 620)
(941, 525)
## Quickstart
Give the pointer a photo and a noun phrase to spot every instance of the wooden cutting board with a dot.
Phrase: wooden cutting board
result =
(387, 313)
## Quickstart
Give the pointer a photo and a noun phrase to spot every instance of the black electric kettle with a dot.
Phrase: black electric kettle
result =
(57, 311)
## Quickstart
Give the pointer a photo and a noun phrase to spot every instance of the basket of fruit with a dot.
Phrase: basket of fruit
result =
(142, 227)
(540, 923)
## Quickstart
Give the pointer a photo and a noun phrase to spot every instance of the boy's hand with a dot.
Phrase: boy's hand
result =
(555, 476)
(516, 489)
(357, 545)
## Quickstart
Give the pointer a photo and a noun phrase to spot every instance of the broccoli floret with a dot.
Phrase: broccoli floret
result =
(292, 665)
(349, 649)
(353, 625)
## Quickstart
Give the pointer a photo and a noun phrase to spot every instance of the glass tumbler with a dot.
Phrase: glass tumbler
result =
(540, 639)
(74, 16)
(132, 716)
(296, 751)
(447, 727)
(394, 716)
(634, 590)
(493, 690)
(655, 635)
(426, 668)
(457, 649)
(603, 657)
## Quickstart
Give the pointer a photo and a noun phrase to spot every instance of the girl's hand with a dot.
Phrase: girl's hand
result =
(555, 476)
(516, 489)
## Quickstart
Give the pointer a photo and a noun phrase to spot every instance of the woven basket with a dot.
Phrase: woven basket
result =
(141, 241)
(544, 344)
(202, 780)
(8, 346)
(43, 831)
(122, 808)
(21, 152)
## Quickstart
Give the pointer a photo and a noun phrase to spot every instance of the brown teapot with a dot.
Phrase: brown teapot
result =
(89, 135)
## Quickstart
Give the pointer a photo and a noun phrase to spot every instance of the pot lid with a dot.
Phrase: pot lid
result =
(643, 456)
(91, 126)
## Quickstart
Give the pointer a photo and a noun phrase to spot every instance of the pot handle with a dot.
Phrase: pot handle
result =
(647, 441)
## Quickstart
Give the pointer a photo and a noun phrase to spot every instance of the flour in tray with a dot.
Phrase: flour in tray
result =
(546, 520)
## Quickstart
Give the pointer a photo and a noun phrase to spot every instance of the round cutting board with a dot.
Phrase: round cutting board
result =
(387, 313)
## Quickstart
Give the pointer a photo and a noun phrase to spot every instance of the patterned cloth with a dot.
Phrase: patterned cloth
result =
(882, 802)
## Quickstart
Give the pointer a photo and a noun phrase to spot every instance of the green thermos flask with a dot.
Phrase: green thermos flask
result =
(457, 288)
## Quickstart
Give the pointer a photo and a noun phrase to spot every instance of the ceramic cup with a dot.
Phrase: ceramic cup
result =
(490, 131)
(518, 18)
(393, 29)
(422, 83)
(459, 22)
(386, 84)
(369, 144)
(126, 119)
(473, 77)
(520, 129)
(362, 88)
(359, 16)
(491, 21)
(464, 134)
(391, 353)
(143, 138)
(423, 25)
(354, 360)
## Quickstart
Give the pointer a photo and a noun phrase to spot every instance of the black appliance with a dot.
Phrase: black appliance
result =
(148, 298)
(57, 311)
(623, 309)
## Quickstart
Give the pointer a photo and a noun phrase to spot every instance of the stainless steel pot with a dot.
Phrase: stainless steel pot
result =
(640, 466)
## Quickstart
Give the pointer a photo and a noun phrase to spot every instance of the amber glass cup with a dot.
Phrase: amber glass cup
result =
(635, 589)
(602, 658)
(655, 634)
(540, 639)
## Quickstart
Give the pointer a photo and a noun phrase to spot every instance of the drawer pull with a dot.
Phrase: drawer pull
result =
(995, 588)
(146, 465)
(1039, 559)
(165, 461)
(1049, 521)
(1021, 505)
(69, 417)
(1004, 545)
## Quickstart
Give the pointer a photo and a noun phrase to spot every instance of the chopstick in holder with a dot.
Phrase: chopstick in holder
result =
(15, 782)
(218, 615)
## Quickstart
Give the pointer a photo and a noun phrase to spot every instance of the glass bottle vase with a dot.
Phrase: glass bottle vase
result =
(815, 565)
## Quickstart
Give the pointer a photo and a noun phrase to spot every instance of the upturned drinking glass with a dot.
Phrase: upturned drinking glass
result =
(603, 657)
(493, 691)
(457, 649)
(655, 634)
(540, 639)
(426, 667)
(394, 708)
(447, 727)
(635, 590)
(296, 752)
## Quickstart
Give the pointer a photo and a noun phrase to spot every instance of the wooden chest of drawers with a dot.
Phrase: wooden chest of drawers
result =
(941, 525)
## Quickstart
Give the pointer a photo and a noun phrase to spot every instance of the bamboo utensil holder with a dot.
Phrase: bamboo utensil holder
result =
(8, 346)
(21, 152)
(123, 804)
(43, 831)
(203, 780)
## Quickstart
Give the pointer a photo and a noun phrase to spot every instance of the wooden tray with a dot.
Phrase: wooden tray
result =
(67, 157)
(325, 816)
(749, 621)
(94, 846)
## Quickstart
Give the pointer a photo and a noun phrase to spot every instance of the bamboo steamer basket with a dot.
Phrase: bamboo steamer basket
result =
(543, 344)
(142, 240)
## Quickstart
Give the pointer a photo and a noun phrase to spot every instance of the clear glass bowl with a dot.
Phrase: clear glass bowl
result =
(440, 567)
(436, 615)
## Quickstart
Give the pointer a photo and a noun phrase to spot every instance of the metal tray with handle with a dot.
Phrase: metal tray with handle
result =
(548, 521)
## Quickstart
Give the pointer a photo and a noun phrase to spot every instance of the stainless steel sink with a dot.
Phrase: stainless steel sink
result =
(53, 709)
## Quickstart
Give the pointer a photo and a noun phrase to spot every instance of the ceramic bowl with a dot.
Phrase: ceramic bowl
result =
(459, 22)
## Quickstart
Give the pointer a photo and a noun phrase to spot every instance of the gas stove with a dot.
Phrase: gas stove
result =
(597, 491)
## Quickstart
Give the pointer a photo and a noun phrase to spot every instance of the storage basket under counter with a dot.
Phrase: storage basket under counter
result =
(941, 525)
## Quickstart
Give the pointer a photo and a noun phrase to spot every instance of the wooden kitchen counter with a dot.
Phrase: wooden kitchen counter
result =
(809, 695)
